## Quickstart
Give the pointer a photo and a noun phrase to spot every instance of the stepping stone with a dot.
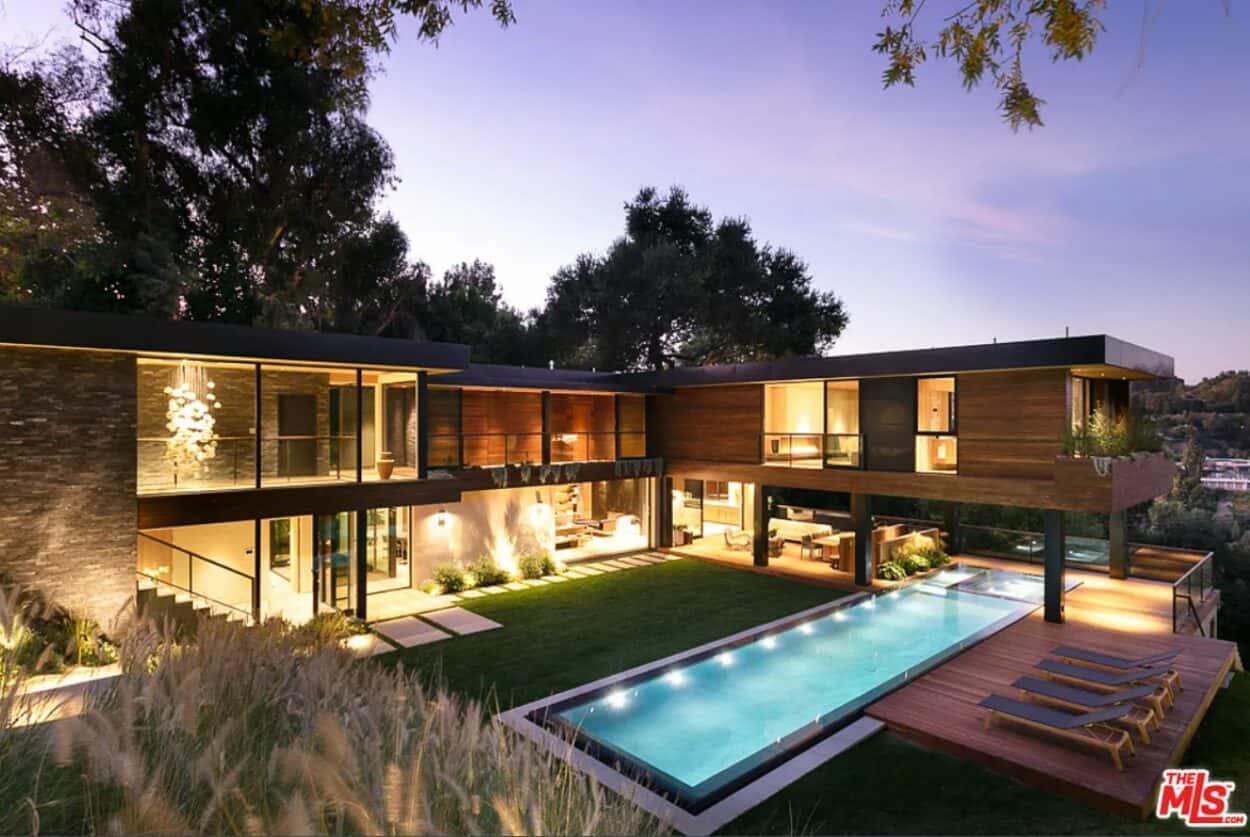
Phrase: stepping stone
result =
(651, 559)
(366, 645)
(534, 582)
(672, 557)
(620, 565)
(554, 578)
(587, 571)
(605, 567)
(410, 631)
(472, 594)
(490, 591)
(514, 585)
(461, 621)
(574, 572)
(633, 562)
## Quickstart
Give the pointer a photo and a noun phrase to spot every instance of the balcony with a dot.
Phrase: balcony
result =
(494, 450)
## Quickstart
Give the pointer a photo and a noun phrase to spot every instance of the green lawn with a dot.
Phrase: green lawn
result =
(563, 635)
(567, 634)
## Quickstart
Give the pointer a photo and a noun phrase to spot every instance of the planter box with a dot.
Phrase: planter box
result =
(1122, 482)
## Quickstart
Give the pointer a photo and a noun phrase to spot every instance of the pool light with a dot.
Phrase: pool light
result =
(807, 628)
(725, 659)
(769, 642)
(617, 699)
(676, 678)
(839, 616)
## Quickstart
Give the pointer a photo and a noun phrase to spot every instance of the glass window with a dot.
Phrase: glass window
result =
(196, 425)
(935, 405)
(631, 418)
(308, 425)
(794, 424)
(842, 424)
(937, 454)
(389, 425)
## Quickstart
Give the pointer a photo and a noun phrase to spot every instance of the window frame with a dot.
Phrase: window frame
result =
(952, 432)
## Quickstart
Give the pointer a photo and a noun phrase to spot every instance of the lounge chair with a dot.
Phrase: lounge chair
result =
(1112, 681)
(738, 540)
(1111, 662)
(1089, 728)
(1140, 718)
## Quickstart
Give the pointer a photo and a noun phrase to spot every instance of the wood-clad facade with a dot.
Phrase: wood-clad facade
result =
(1011, 424)
(1009, 429)
(709, 424)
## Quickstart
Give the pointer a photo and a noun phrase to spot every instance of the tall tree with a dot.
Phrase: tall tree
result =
(229, 173)
(467, 306)
(680, 289)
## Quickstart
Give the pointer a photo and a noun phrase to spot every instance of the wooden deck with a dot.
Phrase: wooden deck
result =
(940, 709)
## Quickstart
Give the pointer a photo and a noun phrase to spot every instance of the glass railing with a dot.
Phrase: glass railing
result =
(842, 450)
(1080, 552)
(812, 450)
(229, 462)
(484, 450)
(294, 459)
(582, 446)
(169, 565)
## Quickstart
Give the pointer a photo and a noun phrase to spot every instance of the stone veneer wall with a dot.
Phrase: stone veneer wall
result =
(67, 476)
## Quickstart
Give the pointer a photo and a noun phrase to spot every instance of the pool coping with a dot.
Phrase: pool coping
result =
(741, 800)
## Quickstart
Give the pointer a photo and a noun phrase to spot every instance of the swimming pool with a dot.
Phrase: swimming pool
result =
(699, 729)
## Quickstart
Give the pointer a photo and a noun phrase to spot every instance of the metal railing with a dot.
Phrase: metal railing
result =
(812, 450)
(1190, 592)
(194, 574)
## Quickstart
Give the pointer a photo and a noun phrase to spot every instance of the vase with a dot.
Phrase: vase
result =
(386, 466)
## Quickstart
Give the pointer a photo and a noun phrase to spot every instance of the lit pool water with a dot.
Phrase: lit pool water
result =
(703, 726)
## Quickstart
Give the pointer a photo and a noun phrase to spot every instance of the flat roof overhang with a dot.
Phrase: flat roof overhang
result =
(1097, 355)
(58, 329)
(495, 376)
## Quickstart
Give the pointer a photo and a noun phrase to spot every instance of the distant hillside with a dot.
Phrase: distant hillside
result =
(1216, 409)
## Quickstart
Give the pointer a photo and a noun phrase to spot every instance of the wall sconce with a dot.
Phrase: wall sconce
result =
(441, 517)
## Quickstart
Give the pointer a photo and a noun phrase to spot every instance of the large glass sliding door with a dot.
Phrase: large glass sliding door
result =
(387, 538)
(334, 571)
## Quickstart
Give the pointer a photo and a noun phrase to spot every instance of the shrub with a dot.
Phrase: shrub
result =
(487, 573)
(48, 637)
(536, 565)
(913, 563)
(1103, 435)
(450, 578)
(891, 571)
(326, 628)
(266, 730)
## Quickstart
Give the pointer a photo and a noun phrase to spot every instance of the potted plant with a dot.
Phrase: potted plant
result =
(385, 464)
(681, 535)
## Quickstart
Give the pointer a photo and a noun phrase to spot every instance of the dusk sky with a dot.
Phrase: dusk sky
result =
(1128, 213)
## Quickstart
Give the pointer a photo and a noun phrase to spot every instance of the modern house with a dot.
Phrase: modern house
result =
(281, 473)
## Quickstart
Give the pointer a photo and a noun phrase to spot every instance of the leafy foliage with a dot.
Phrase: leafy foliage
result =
(536, 565)
(679, 289)
(1104, 435)
(987, 38)
(487, 573)
(891, 571)
(450, 578)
